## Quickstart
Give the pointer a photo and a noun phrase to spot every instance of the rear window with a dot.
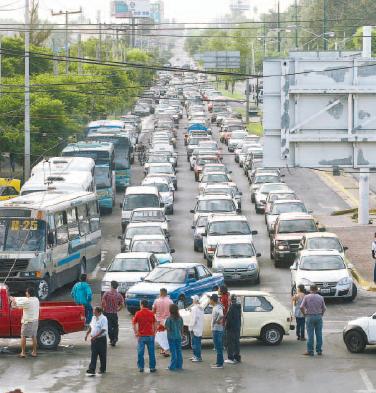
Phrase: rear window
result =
(136, 201)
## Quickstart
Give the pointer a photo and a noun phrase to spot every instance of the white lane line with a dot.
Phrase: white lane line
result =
(94, 273)
(367, 382)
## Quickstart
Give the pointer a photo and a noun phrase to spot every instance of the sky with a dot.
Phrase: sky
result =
(181, 10)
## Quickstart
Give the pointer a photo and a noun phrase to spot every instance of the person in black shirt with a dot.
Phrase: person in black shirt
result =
(232, 327)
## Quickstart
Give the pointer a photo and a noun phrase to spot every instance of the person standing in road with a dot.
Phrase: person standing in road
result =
(98, 331)
(313, 308)
(217, 329)
(161, 309)
(224, 298)
(297, 300)
(144, 327)
(112, 303)
(82, 294)
(374, 258)
(174, 326)
(233, 324)
(196, 327)
(30, 318)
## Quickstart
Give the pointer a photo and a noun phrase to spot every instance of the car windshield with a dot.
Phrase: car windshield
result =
(322, 262)
(155, 246)
(291, 207)
(135, 201)
(161, 169)
(238, 135)
(148, 215)
(229, 228)
(266, 188)
(297, 226)
(266, 179)
(156, 158)
(214, 168)
(324, 243)
(129, 265)
(146, 230)
(223, 191)
(22, 235)
(240, 250)
(102, 177)
(203, 161)
(275, 197)
(216, 205)
(166, 275)
(215, 178)
(162, 187)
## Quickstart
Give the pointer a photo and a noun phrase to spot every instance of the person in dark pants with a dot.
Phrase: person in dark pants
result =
(112, 303)
(374, 258)
(217, 329)
(98, 331)
(232, 327)
(297, 300)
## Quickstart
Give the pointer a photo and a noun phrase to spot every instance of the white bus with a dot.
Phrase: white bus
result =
(65, 182)
(48, 239)
(64, 164)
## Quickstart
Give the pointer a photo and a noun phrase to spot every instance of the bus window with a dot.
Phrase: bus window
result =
(72, 224)
(51, 230)
(93, 216)
(83, 220)
(61, 228)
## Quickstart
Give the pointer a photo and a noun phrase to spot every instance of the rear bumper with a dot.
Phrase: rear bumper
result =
(242, 276)
(106, 202)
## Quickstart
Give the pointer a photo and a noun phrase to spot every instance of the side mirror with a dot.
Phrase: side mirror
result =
(322, 229)
(310, 211)
(345, 248)
(172, 251)
(230, 172)
(142, 278)
(192, 211)
(258, 255)
(162, 204)
(103, 269)
(120, 237)
(240, 193)
(121, 205)
(293, 267)
(254, 232)
(193, 227)
(350, 266)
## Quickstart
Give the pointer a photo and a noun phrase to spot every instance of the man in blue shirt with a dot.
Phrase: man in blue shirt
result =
(98, 331)
(82, 294)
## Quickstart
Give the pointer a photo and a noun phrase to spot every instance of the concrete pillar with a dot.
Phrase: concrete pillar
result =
(367, 42)
(363, 212)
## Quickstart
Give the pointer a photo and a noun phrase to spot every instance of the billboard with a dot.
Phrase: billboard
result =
(219, 60)
(130, 8)
(240, 5)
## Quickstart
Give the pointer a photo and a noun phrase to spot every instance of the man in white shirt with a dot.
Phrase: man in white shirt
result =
(30, 317)
(98, 331)
(196, 327)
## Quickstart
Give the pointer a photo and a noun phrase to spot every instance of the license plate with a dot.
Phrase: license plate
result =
(236, 276)
(325, 290)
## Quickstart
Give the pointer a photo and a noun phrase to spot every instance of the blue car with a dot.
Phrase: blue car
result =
(186, 279)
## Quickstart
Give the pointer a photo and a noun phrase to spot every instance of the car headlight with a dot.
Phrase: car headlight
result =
(345, 281)
(282, 245)
(306, 282)
(252, 266)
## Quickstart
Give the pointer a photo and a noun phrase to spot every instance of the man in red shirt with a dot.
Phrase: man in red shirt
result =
(112, 303)
(145, 326)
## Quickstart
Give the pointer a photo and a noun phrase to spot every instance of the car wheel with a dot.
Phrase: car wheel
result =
(272, 334)
(210, 263)
(354, 292)
(186, 339)
(195, 248)
(355, 341)
(277, 263)
(48, 336)
(44, 288)
(257, 281)
(82, 267)
(293, 290)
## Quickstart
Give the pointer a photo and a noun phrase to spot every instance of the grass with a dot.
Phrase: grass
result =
(255, 128)
(227, 93)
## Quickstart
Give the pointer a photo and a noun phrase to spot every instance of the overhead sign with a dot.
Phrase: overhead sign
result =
(219, 60)
(131, 8)
(240, 5)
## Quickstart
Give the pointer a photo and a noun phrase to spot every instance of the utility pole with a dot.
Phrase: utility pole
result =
(133, 32)
(247, 94)
(55, 62)
(66, 13)
(79, 50)
(0, 65)
(279, 28)
(296, 25)
(27, 92)
(325, 27)
(264, 37)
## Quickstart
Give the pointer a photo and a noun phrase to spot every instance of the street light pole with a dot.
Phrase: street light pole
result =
(27, 93)
(325, 42)
(279, 28)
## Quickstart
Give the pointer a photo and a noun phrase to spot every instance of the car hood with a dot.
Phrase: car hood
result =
(215, 239)
(152, 288)
(124, 276)
(322, 276)
(233, 262)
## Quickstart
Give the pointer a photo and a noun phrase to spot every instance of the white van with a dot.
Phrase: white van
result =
(66, 182)
(138, 197)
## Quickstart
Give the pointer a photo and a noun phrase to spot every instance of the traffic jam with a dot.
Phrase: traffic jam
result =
(50, 229)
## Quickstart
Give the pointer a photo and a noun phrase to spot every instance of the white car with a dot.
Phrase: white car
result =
(150, 214)
(156, 244)
(326, 269)
(323, 241)
(262, 194)
(260, 180)
(220, 227)
(166, 191)
(236, 137)
(237, 260)
(128, 269)
(360, 332)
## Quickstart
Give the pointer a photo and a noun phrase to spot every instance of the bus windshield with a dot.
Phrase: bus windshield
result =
(100, 157)
(102, 177)
(19, 234)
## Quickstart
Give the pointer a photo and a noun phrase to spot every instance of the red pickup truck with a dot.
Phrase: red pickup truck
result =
(55, 319)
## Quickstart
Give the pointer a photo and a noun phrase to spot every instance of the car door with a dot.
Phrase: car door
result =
(255, 311)
(203, 279)
(192, 288)
(372, 329)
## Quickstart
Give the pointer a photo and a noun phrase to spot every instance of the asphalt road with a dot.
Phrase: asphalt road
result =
(263, 369)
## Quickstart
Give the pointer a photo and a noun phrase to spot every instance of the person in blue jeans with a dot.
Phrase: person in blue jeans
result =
(313, 308)
(217, 329)
(144, 327)
(174, 326)
(82, 294)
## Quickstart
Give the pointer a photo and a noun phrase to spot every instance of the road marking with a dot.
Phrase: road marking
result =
(94, 273)
(367, 382)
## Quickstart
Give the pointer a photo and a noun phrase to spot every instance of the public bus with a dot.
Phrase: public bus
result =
(64, 164)
(103, 154)
(48, 239)
(123, 153)
(109, 124)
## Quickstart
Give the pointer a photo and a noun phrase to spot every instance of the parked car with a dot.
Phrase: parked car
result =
(263, 317)
(185, 279)
(55, 319)
(237, 260)
(360, 332)
(326, 269)
(128, 269)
